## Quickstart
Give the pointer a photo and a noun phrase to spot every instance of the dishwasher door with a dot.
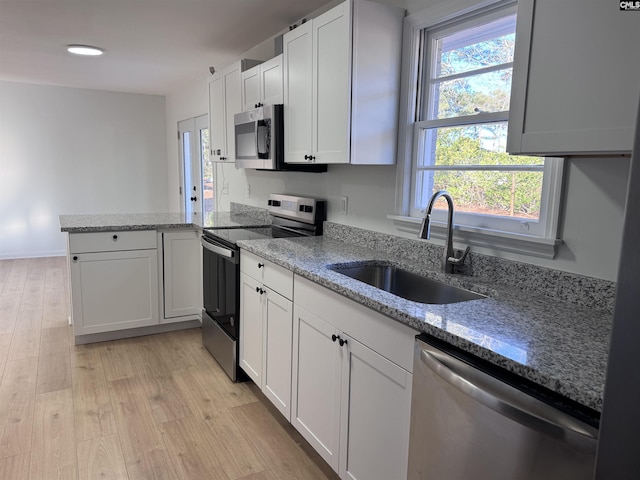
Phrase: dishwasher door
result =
(467, 424)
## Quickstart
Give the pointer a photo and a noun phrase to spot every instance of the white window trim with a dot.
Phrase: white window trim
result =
(493, 240)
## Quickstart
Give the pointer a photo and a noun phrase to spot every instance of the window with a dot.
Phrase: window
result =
(457, 127)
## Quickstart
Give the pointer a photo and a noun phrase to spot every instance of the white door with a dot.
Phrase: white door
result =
(182, 274)
(316, 382)
(251, 342)
(297, 51)
(332, 85)
(130, 276)
(375, 412)
(278, 332)
(193, 137)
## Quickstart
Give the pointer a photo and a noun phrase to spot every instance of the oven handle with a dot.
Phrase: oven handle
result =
(301, 233)
(225, 252)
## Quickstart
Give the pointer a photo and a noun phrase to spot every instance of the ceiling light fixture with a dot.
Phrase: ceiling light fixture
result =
(84, 50)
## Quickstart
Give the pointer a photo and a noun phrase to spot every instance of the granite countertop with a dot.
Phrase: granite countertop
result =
(557, 345)
(153, 221)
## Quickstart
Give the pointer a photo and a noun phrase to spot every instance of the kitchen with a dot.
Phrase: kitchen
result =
(593, 208)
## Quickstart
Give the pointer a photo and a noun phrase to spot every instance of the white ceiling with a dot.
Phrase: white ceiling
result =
(151, 46)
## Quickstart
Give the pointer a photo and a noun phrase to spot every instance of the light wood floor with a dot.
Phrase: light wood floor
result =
(155, 407)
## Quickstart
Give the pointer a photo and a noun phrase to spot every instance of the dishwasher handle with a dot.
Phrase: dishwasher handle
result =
(503, 398)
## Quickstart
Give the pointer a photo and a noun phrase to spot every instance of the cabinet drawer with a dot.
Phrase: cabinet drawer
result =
(112, 241)
(277, 278)
(389, 338)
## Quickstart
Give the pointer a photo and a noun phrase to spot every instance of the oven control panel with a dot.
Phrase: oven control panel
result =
(309, 210)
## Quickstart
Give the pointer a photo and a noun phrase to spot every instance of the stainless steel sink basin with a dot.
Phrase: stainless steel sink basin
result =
(407, 285)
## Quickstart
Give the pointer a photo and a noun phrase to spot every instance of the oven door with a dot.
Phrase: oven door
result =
(220, 277)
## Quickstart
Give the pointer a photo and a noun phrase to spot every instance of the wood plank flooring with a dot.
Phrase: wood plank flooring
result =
(155, 407)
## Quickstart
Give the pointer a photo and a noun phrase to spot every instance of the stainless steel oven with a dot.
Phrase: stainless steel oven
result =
(291, 216)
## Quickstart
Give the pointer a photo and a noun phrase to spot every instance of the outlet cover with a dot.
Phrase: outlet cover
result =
(344, 204)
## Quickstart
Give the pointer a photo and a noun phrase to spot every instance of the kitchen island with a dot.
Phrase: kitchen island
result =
(140, 273)
(555, 343)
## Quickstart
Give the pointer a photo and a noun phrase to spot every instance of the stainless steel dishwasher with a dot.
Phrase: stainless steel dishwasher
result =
(467, 423)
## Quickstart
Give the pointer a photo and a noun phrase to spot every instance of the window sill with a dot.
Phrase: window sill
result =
(484, 238)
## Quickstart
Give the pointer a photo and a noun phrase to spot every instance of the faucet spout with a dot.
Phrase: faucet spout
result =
(448, 258)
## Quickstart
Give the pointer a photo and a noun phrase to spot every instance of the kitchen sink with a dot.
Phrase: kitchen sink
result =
(407, 285)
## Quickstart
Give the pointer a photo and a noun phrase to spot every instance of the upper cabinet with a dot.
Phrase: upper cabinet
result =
(575, 78)
(262, 84)
(341, 85)
(225, 100)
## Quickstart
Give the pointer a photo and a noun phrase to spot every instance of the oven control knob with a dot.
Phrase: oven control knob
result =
(308, 209)
(301, 208)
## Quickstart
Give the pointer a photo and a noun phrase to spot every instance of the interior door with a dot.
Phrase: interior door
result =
(196, 169)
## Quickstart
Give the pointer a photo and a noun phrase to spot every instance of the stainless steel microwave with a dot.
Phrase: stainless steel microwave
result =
(259, 141)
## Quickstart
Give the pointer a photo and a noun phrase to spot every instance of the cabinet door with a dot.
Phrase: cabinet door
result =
(376, 409)
(251, 341)
(297, 61)
(278, 334)
(251, 94)
(575, 78)
(316, 382)
(332, 85)
(114, 290)
(233, 105)
(217, 123)
(271, 84)
(182, 274)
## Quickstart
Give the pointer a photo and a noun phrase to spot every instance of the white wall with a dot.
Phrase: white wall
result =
(71, 151)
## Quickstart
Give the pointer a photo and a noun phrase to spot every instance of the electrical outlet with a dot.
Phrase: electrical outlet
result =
(344, 203)
(248, 191)
(225, 190)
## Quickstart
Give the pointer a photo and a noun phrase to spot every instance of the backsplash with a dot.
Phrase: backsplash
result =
(256, 212)
(564, 286)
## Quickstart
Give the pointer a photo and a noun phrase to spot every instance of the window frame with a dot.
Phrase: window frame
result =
(540, 241)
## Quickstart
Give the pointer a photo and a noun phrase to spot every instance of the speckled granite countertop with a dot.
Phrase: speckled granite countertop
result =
(558, 345)
(153, 221)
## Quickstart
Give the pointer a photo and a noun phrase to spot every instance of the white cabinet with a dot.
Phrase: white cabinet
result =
(181, 275)
(341, 85)
(351, 384)
(114, 281)
(262, 84)
(225, 100)
(266, 316)
(575, 78)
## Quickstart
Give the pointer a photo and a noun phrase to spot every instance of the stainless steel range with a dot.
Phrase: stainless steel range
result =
(292, 216)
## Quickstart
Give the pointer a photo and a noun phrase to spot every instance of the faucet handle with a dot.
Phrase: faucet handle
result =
(459, 261)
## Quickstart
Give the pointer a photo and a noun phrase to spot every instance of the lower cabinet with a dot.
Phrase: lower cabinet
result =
(181, 279)
(114, 290)
(341, 373)
(122, 280)
(266, 328)
(350, 402)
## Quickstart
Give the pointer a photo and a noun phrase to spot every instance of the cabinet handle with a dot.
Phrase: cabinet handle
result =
(334, 337)
(260, 291)
(75, 259)
(307, 157)
(260, 265)
(115, 237)
(342, 342)
(193, 199)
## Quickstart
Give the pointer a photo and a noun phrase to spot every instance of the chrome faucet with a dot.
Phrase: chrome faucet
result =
(449, 261)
